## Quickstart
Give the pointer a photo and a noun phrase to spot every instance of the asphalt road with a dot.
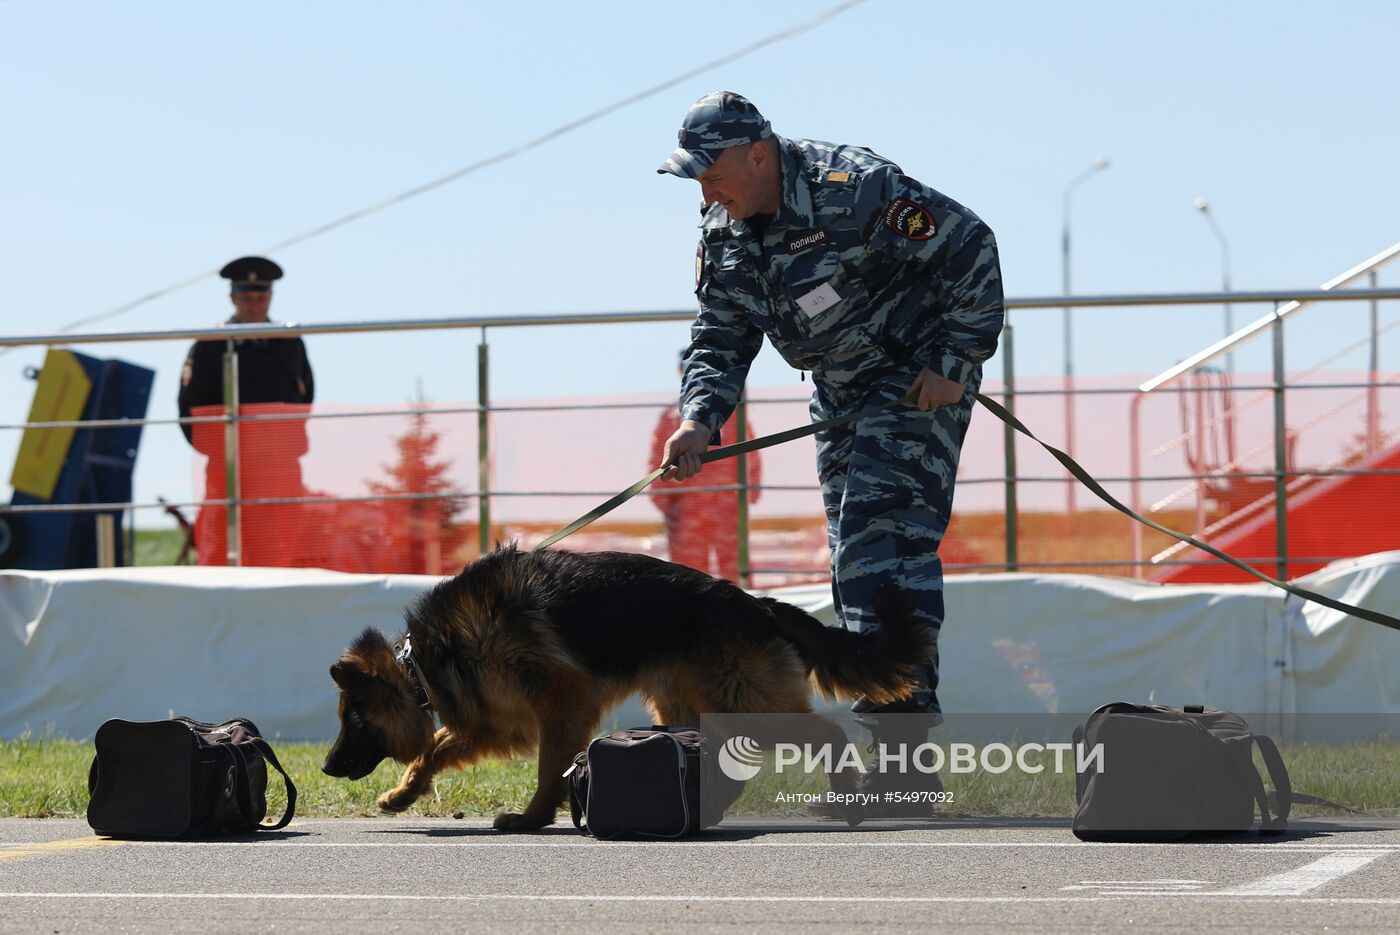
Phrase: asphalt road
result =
(430, 875)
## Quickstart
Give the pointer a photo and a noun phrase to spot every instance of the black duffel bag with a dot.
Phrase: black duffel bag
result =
(1171, 772)
(181, 779)
(655, 782)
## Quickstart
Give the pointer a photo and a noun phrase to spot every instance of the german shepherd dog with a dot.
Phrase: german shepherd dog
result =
(526, 651)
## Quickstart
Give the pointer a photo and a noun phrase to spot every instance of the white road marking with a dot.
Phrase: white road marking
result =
(1308, 877)
(671, 898)
(1138, 887)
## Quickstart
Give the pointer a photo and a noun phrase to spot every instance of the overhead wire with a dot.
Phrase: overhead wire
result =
(503, 156)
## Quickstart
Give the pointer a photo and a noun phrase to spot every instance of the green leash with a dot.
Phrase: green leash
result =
(996, 409)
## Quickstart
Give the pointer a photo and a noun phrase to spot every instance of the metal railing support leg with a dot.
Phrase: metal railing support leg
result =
(1280, 454)
(1008, 434)
(234, 544)
(741, 429)
(1373, 411)
(1135, 470)
(483, 445)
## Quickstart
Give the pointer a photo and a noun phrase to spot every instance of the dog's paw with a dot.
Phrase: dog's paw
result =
(397, 800)
(510, 821)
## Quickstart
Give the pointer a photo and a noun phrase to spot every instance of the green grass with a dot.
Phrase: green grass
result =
(46, 777)
(158, 547)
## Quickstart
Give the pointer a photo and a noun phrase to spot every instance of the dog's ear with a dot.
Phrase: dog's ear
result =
(348, 674)
(366, 657)
(371, 646)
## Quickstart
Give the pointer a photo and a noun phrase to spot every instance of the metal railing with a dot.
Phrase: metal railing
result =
(230, 334)
(1272, 323)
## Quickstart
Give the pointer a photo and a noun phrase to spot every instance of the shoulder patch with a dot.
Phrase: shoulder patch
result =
(699, 260)
(834, 176)
(908, 219)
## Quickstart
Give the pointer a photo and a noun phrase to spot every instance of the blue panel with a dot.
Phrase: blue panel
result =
(98, 470)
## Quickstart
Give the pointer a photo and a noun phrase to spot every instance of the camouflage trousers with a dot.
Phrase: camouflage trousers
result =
(887, 486)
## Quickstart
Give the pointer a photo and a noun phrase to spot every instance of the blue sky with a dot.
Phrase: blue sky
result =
(147, 142)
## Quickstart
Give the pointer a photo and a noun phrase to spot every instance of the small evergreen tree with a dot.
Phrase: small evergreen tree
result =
(422, 532)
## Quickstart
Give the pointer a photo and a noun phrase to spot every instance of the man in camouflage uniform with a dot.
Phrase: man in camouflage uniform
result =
(879, 286)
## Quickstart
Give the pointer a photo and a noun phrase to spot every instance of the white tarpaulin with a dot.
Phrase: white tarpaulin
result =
(78, 647)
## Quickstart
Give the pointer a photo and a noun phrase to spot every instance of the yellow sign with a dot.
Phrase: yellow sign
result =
(62, 392)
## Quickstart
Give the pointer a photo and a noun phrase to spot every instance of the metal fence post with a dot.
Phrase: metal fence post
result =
(1280, 453)
(483, 445)
(1373, 412)
(234, 545)
(106, 533)
(1135, 472)
(1008, 381)
(741, 429)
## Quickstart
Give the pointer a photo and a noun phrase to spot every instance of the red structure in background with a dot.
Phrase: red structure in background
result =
(702, 526)
(1327, 516)
(269, 453)
(392, 472)
(421, 525)
(403, 533)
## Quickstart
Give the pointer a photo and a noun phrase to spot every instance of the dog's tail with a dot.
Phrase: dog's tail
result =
(882, 664)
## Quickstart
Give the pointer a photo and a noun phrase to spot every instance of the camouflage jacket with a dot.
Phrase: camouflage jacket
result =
(862, 272)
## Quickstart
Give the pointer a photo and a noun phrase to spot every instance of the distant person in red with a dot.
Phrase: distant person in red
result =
(702, 528)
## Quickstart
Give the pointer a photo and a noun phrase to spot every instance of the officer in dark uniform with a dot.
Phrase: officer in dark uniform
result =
(270, 370)
(274, 377)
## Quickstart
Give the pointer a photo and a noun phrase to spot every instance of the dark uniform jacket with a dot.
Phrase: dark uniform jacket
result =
(270, 370)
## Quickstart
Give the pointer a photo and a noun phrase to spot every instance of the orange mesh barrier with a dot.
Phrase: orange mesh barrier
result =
(270, 467)
(552, 460)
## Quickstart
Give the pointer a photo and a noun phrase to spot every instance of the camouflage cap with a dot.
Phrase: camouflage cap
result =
(714, 123)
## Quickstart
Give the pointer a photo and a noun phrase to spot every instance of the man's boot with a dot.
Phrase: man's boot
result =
(893, 784)
(893, 778)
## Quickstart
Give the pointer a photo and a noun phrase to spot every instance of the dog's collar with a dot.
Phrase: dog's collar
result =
(405, 659)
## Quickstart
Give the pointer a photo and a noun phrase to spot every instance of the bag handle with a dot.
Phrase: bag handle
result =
(1283, 787)
(263, 747)
(575, 806)
(575, 810)
(1256, 788)
(1081, 781)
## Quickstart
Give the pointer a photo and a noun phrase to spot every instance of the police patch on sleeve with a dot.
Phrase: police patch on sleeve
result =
(699, 260)
(908, 219)
(802, 240)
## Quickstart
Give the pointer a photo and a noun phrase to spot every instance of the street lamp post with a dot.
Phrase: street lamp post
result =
(1204, 207)
(1099, 165)
(1227, 404)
